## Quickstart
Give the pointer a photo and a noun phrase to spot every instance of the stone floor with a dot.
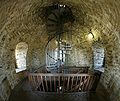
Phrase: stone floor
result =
(23, 93)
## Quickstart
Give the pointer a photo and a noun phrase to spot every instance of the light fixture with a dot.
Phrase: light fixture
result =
(62, 5)
(90, 35)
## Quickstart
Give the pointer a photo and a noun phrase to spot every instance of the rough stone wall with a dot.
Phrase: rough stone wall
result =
(79, 57)
(5, 89)
(20, 22)
(14, 29)
(111, 77)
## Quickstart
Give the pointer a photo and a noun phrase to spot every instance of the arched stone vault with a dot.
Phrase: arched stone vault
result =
(22, 21)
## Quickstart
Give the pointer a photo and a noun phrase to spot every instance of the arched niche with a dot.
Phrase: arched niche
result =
(98, 56)
(20, 55)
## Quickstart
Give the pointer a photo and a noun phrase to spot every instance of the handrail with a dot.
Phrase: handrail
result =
(58, 74)
(47, 82)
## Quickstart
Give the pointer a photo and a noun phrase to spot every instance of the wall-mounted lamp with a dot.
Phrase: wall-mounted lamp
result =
(90, 35)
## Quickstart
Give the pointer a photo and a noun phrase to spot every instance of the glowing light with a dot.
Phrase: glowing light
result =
(90, 36)
(62, 5)
(60, 88)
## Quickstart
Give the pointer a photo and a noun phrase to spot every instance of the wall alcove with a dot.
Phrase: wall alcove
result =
(20, 55)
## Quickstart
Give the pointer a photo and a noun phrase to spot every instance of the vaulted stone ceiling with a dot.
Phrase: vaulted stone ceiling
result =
(22, 21)
(24, 18)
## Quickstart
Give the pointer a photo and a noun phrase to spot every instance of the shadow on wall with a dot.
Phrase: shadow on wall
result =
(5, 89)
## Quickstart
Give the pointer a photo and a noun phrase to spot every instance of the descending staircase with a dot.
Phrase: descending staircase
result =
(65, 50)
(59, 15)
(53, 22)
